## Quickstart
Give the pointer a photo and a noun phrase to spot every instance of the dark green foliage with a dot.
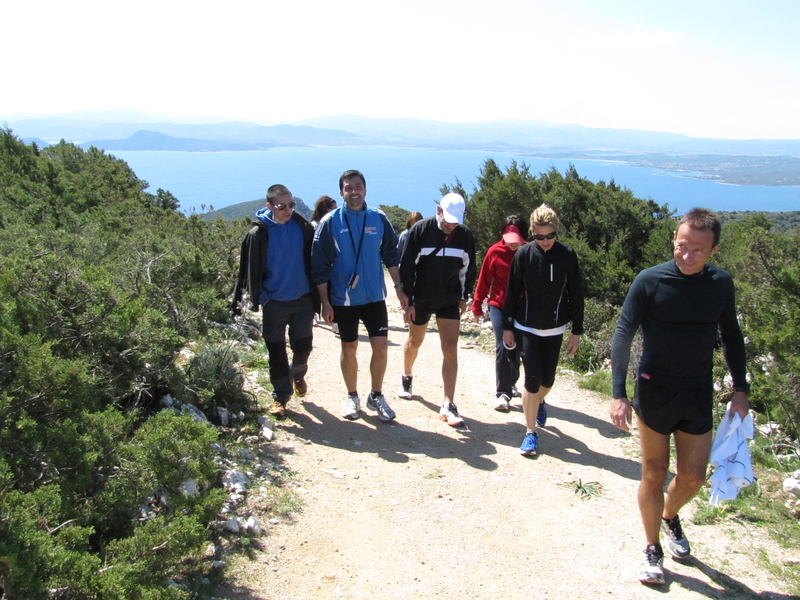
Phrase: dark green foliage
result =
(614, 233)
(100, 285)
(397, 217)
(600, 319)
(779, 222)
(766, 268)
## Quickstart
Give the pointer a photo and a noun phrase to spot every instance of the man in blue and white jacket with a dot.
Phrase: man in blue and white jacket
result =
(351, 245)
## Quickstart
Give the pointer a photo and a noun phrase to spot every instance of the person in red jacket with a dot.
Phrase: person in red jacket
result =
(492, 283)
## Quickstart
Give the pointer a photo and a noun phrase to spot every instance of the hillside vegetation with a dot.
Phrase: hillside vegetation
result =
(102, 285)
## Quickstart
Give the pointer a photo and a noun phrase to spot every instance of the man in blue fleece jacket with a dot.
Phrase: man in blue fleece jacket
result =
(275, 268)
(351, 245)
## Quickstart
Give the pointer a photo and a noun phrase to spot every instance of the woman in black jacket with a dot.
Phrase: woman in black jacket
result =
(545, 293)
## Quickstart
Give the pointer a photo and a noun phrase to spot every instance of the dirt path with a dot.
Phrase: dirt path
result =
(415, 509)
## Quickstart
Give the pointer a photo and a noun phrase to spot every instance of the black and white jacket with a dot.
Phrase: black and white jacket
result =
(436, 272)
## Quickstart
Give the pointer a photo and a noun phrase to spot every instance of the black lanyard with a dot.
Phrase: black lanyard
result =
(361, 240)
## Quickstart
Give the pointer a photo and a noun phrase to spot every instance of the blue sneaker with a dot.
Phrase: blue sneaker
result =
(541, 416)
(529, 444)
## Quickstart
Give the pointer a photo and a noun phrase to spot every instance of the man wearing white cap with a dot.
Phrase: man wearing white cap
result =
(437, 272)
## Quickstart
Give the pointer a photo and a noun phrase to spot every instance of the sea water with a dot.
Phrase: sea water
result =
(411, 178)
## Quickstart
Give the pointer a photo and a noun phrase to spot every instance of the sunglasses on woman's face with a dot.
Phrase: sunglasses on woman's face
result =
(549, 236)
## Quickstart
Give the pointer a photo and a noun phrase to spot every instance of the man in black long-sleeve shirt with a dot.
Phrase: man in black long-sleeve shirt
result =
(680, 306)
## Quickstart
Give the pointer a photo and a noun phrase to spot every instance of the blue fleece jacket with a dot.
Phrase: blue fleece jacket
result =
(333, 254)
(283, 278)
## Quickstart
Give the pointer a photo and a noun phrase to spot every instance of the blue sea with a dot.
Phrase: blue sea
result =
(411, 178)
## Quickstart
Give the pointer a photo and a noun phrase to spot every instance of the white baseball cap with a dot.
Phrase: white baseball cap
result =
(453, 206)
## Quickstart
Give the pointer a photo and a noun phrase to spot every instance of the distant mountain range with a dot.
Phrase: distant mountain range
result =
(503, 136)
(757, 162)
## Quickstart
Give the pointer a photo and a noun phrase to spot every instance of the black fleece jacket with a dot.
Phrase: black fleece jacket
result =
(545, 289)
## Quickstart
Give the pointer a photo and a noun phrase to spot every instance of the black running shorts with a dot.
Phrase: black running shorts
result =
(373, 315)
(666, 410)
(422, 315)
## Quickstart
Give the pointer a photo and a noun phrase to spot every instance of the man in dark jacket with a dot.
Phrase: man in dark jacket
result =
(274, 253)
(437, 272)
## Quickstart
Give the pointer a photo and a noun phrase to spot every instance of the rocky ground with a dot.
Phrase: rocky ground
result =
(415, 509)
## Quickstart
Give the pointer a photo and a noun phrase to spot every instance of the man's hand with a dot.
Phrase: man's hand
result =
(462, 306)
(740, 404)
(327, 313)
(572, 344)
(621, 413)
(401, 296)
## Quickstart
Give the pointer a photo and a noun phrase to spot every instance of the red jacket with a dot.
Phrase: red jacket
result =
(493, 279)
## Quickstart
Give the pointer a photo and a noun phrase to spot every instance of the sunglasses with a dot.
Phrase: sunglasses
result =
(549, 236)
(284, 205)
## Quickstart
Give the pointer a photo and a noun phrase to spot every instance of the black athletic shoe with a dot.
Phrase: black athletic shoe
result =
(677, 544)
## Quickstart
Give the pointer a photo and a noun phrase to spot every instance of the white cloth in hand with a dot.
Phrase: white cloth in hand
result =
(730, 457)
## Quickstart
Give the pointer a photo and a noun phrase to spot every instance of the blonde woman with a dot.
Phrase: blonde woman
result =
(545, 294)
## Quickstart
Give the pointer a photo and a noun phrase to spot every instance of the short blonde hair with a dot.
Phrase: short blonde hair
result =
(544, 216)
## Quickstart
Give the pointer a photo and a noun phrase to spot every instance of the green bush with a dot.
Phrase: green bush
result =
(213, 379)
(101, 284)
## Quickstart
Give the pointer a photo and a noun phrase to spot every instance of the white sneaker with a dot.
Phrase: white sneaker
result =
(378, 403)
(405, 387)
(502, 403)
(351, 407)
(449, 414)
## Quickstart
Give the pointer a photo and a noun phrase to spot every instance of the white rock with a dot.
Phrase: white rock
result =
(333, 473)
(246, 454)
(195, 412)
(166, 401)
(224, 419)
(265, 422)
(274, 521)
(767, 429)
(231, 525)
(219, 449)
(253, 526)
(235, 480)
(792, 486)
(189, 488)
(218, 564)
(267, 433)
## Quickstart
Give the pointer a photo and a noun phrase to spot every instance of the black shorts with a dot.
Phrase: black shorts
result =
(666, 410)
(422, 315)
(373, 315)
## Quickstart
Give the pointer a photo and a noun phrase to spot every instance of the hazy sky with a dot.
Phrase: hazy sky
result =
(708, 68)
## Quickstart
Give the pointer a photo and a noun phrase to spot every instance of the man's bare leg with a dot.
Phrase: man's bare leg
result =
(655, 462)
(448, 338)
(692, 453)
(377, 364)
(416, 335)
(349, 364)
